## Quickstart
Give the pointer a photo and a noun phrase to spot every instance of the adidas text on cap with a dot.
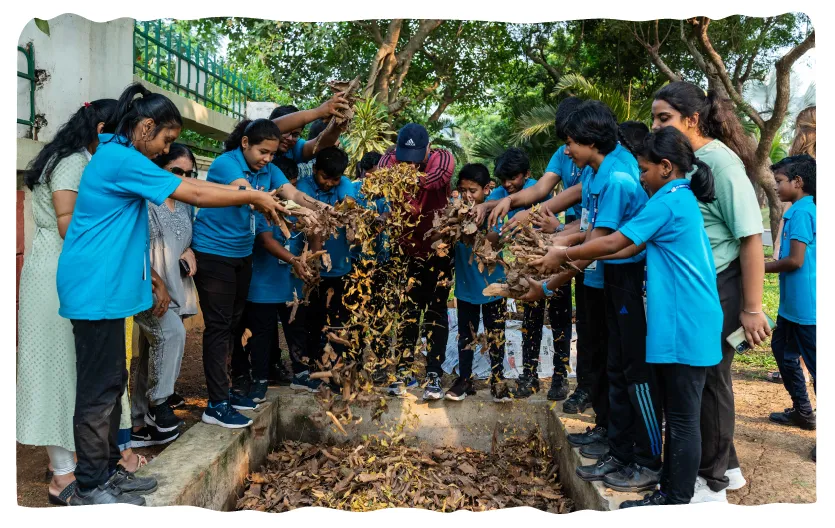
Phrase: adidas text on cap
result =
(412, 141)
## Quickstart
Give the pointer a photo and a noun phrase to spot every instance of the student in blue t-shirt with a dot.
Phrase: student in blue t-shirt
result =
(613, 197)
(104, 275)
(795, 335)
(222, 243)
(683, 311)
(329, 185)
(291, 121)
(278, 277)
(474, 305)
(512, 169)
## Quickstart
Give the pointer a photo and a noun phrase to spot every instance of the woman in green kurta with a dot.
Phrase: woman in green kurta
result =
(46, 351)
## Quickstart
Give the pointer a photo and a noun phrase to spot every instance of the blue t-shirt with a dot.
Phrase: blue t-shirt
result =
(616, 197)
(500, 192)
(684, 317)
(297, 152)
(382, 248)
(104, 271)
(570, 174)
(273, 280)
(628, 162)
(469, 282)
(230, 231)
(337, 247)
(798, 290)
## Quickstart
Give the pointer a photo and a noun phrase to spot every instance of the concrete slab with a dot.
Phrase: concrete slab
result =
(208, 465)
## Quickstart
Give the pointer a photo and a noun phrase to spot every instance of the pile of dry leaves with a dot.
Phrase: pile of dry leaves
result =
(451, 225)
(385, 473)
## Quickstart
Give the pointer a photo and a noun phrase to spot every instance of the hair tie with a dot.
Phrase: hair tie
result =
(87, 105)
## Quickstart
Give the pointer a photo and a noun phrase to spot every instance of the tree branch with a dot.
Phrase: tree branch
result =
(550, 70)
(783, 73)
(373, 28)
(722, 75)
(653, 49)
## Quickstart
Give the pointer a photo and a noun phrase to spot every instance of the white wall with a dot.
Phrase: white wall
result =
(85, 60)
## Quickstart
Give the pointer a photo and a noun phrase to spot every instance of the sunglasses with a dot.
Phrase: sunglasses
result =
(180, 172)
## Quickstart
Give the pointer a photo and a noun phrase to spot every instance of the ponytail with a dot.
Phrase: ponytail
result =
(74, 135)
(257, 131)
(137, 103)
(717, 119)
(671, 145)
(701, 183)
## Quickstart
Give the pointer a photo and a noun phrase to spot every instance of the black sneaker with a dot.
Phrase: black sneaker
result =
(278, 375)
(594, 451)
(591, 436)
(105, 494)
(634, 478)
(175, 401)
(500, 392)
(151, 436)
(576, 403)
(258, 391)
(604, 466)
(460, 389)
(559, 388)
(525, 387)
(379, 377)
(162, 417)
(653, 499)
(128, 482)
(241, 384)
(792, 416)
(433, 389)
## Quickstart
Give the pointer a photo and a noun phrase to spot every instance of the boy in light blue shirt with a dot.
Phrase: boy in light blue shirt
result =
(473, 305)
(795, 334)
(328, 185)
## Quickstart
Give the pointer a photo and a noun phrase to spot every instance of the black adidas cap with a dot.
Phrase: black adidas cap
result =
(412, 141)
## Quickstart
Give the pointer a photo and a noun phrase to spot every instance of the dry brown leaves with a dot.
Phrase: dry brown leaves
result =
(382, 472)
(350, 91)
(518, 251)
(451, 225)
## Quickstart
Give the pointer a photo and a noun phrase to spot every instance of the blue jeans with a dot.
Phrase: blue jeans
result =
(789, 342)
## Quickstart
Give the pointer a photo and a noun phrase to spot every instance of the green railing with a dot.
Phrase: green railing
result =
(29, 74)
(171, 61)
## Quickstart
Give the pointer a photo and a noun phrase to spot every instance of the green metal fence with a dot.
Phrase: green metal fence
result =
(29, 74)
(173, 62)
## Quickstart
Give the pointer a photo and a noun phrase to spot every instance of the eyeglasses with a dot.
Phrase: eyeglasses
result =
(180, 172)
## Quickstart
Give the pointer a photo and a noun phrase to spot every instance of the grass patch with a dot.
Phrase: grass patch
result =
(760, 361)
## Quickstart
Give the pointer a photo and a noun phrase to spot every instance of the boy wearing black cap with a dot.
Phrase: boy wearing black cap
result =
(431, 271)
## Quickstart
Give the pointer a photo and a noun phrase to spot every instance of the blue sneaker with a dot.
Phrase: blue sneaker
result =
(302, 381)
(404, 381)
(258, 391)
(224, 415)
(241, 402)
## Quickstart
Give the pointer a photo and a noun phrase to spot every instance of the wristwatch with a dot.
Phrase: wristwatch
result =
(548, 293)
(241, 187)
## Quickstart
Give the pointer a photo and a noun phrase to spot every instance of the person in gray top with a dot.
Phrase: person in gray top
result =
(163, 336)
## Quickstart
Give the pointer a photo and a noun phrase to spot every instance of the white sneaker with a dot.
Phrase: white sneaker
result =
(735, 478)
(703, 493)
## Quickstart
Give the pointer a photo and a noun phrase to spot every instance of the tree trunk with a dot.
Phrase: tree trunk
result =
(442, 106)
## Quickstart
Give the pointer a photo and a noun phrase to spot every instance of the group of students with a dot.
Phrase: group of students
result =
(668, 240)
(673, 215)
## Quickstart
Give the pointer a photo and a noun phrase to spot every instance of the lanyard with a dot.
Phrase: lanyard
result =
(674, 188)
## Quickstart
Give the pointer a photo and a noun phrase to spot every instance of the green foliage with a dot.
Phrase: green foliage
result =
(200, 144)
(623, 108)
(43, 25)
(369, 132)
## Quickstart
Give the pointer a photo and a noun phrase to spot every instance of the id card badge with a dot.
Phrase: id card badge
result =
(592, 266)
(252, 222)
(584, 220)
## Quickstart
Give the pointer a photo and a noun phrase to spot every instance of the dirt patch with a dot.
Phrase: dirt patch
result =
(774, 459)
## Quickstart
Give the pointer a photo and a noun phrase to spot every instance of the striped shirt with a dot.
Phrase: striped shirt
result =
(432, 196)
